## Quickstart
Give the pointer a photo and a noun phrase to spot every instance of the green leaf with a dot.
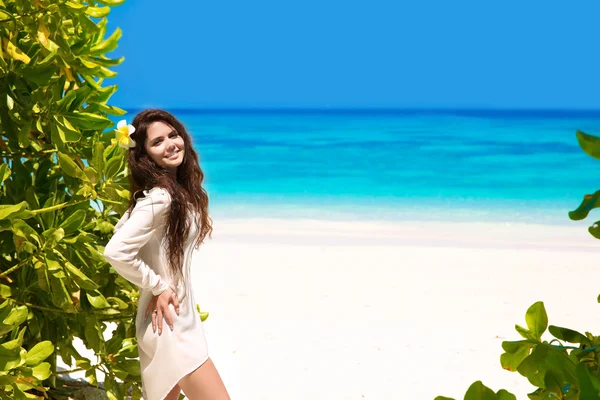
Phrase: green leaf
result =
(5, 291)
(589, 144)
(111, 2)
(120, 304)
(97, 12)
(58, 235)
(590, 201)
(92, 175)
(9, 359)
(478, 391)
(97, 300)
(113, 167)
(12, 344)
(18, 392)
(5, 225)
(102, 95)
(534, 366)
(23, 136)
(17, 316)
(108, 62)
(73, 222)
(42, 277)
(84, 120)
(123, 193)
(586, 380)
(515, 353)
(568, 335)
(443, 398)
(505, 395)
(537, 319)
(81, 96)
(6, 380)
(553, 381)
(98, 157)
(32, 198)
(106, 73)
(99, 107)
(119, 373)
(41, 74)
(594, 230)
(4, 172)
(70, 168)
(80, 278)
(90, 81)
(14, 210)
(559, 360)
(67, 132)
(21, 336)
(59, 293)
(52, 262)
(64, 103)
(524, 332)
(109, 44)
(42, 371)
(74, 6)
(93, 336)
(10, 102)
(131, 366)
(129, 349)
(85, 190)
(15, 52)
(39, 353)
(24, 230)
(203, 314)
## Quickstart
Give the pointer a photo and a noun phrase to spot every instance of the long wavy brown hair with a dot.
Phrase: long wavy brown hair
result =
(186, 189)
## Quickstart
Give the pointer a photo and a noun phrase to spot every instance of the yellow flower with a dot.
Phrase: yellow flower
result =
(123, 134)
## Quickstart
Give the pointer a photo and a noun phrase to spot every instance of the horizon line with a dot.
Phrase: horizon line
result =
(364, 108)
(547, 112)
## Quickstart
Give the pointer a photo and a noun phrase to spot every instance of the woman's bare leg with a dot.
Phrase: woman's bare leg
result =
(174, 393)
(204, 384)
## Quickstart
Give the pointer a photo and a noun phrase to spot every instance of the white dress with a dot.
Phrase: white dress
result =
(137, 251)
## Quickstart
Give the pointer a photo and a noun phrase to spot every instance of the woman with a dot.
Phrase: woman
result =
(152, 247)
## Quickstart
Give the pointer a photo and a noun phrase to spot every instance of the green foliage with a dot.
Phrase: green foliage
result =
(591, 146)
(203, 314)
(560, 371)
(62, 189)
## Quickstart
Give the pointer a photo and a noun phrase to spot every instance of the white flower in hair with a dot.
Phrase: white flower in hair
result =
(124, 132)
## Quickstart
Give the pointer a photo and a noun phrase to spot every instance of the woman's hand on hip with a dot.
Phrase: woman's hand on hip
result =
(159, 307)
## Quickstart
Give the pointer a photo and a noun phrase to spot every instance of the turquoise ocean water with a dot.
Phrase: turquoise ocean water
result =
(504, 166)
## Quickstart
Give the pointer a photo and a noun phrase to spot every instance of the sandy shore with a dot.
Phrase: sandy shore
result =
(354, 310)
(338, 310)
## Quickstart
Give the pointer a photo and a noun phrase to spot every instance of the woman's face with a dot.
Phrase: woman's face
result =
(164, 145)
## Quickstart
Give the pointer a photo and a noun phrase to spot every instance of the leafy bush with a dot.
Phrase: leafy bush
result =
(63, 187)
(559, 371)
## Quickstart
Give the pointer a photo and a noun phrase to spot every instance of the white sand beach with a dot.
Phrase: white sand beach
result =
(349, 310)
(304, 309)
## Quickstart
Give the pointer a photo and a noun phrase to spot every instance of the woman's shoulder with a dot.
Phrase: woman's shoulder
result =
(157, 192)
(156, 195)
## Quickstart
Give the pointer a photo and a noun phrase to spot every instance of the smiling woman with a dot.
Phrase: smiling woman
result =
(152, 247)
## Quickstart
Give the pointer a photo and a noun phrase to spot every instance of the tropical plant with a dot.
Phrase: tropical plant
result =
(63, 187)
(558, 370)
(591, 146)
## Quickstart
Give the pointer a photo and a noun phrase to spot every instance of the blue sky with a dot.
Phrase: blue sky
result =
(346, 54)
